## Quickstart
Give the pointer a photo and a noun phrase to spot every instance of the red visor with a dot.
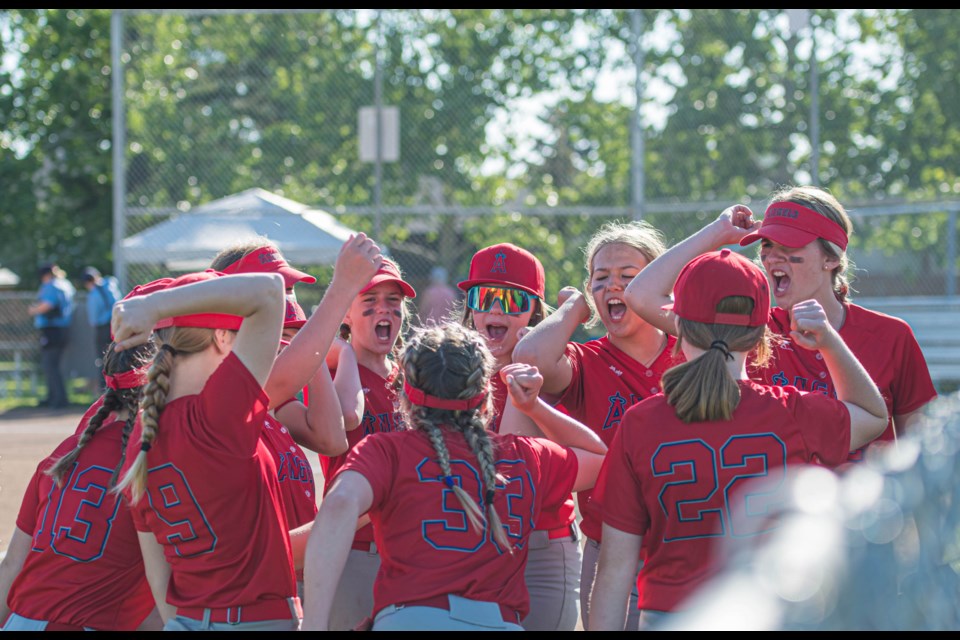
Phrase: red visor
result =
(268, 260)
(388, 272)
(795, 226)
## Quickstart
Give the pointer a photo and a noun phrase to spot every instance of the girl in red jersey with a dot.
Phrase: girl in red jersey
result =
(804, 235)
(504, 298)
(681, 462)
(74, 562)
(372, 328)
(317, 426)
(452, 502)
(203, 486)
(597, 381)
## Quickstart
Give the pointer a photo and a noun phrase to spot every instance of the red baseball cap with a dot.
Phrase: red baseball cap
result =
(507, 265)
(388, 272)
(204, 320)
(267, 259)
(713, 276)
(794, 225)
(295, 317)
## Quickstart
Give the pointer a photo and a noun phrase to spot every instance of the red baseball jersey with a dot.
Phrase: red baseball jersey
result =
(427, 546)
(605, 383)
(84, 566)
(381, 414)
(886, 347)
(676, 484)
(213, 500)
(500, 397)
(294, 473)
(565, 513)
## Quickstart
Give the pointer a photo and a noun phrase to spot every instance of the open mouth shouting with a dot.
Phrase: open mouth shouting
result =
(495, 333)
(383, 330)
(781, 282)
(616, 309)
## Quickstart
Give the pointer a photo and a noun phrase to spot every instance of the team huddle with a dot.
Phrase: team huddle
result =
(482, 472)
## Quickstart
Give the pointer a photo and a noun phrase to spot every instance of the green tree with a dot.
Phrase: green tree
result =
(56, 118)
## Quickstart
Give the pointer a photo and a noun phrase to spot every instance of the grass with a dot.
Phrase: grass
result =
(78, 389)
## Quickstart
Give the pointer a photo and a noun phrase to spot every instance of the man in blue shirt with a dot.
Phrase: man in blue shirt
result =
(52, 313)
(102, 293)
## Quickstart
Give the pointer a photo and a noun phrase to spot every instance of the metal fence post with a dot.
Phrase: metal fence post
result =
(636, 126)
(951, 271)
(119, 143)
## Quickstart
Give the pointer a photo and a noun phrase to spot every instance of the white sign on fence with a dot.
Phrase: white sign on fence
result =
(389, 134)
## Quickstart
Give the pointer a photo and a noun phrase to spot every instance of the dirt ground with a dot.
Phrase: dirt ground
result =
(27, 435)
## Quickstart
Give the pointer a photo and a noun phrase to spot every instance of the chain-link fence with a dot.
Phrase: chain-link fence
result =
(529, 126)
(512, 125)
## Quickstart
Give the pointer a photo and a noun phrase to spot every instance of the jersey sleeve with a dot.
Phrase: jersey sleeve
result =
(232, 397)
(558, 466)
(825, 426)
(27, 517)
(618, 495)
(375, 462)
(912, 385)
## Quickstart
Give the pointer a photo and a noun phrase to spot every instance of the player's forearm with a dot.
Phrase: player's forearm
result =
(326, 554)
(565, 430)
(238, 295)
(544, 346)
(324, 416)
(614, 580)
(10, 568)
(651, 289)
(308, 349)
(348, 387)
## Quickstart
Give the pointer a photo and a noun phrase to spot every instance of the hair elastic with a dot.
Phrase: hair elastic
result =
(721, 346)
(423, 399)
(168, 349)
(490, 495)
(145, 446)
(449, 481)
(127, 379)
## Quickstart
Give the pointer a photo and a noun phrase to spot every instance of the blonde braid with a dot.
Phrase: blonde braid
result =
(478, 439)
(435, 434)
(453, 361)
(154, 400)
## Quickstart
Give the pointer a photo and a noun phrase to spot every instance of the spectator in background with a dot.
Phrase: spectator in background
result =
(102, 292)
(440, 299)
(52, 313)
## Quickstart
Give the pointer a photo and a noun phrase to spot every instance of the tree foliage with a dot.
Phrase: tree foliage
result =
(215, 104)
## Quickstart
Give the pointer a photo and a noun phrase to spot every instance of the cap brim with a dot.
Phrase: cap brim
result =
(292, 276)
(466, 284)
(781, 234)
(386, 277)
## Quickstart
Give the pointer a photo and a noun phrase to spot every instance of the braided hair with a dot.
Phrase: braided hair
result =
(114, 401)
(172, 342)
(453, 362)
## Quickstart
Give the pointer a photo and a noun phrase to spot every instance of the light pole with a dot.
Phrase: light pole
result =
(799, 19)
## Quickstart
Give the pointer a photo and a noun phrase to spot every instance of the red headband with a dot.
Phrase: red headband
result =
(128, 379)
(794, 225)
(420, 398)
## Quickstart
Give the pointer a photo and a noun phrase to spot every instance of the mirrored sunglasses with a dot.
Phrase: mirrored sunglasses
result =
(512, 301)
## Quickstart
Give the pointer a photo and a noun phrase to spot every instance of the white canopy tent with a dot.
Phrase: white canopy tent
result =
(190, 240)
